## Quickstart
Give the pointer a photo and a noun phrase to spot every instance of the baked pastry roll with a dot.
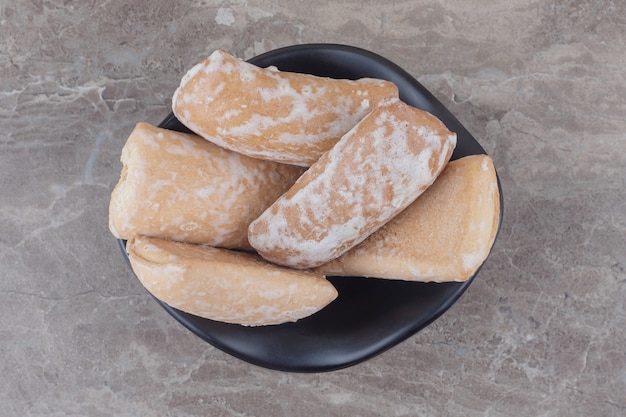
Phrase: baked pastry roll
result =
(178, 186)
(270, 114)
(373, 173)
(226, 285)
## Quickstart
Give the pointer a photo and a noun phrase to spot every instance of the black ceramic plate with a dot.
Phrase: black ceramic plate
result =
(370, 315)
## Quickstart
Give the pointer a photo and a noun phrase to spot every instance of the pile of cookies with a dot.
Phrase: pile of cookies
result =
(289, 178)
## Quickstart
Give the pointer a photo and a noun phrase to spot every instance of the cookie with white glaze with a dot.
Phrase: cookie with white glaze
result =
(270, 114)
(179, 186)
(225, 285)
(373, 173)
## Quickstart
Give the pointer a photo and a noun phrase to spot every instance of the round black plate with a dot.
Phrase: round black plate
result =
(370, 315)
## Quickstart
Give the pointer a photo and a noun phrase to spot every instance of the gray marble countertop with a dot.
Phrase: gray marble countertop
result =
(540, 332)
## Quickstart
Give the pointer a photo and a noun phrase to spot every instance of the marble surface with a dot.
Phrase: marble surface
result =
(541, 331)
